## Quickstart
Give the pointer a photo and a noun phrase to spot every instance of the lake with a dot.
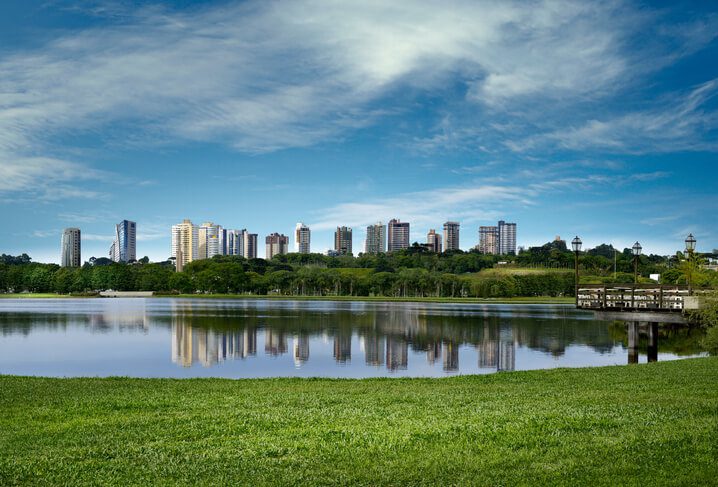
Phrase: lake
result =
(170, 337)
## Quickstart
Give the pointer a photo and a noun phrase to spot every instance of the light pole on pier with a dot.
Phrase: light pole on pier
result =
(690, 247)
(576, 246)
(636, 253)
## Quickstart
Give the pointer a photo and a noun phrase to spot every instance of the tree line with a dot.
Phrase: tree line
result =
(410, 273)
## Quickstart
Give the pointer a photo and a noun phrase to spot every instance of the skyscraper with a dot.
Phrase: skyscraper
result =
(71, 248)
(433, 241)
(302, 238)
(375, 239)
(488, 240)
(185, 241)
(209, 240)
(235, 242)
(276, 244)
(397, 235)
(124, 246)
(343, 240)
(507, 238)
(451, 236)
(249, 240)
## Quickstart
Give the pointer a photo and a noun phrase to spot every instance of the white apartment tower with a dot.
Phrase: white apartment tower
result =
(507, 238)
(375, 239)
(185, 240)
(302, 238)
(71, 255)
(210, 240)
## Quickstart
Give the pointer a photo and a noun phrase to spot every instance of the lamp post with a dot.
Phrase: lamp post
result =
(576, 246)
(636, 253)
(690, 247)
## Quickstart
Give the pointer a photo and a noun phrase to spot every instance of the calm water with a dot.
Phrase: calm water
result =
(237, 338)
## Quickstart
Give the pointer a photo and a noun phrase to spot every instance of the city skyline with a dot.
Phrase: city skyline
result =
(607, 130)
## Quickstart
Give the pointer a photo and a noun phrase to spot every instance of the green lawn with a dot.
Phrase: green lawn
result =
(654, 424)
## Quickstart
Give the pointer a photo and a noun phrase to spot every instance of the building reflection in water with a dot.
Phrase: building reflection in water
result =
(301, 350)
(386, 335)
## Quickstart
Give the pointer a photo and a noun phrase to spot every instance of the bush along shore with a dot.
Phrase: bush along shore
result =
(653, 424)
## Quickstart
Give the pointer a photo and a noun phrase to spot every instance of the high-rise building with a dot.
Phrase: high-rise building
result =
(507, 238)
(451, 236)
(124, 246)
(343, 240)
(210, 240)
(433, 241)
(249, 241)
(375, 239)
(302, 238)
(185, 241)
(234, 242)
(397, 235)
(488, 240)
(276, 245)
(71, 248)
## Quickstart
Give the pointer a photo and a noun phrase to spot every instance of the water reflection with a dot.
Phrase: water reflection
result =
(334, 339)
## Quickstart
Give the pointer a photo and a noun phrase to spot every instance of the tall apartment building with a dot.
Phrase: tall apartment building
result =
(397, 235)
(124, 246)
(343, 241)
(451, 236)
(234, 242)
(433, 241)
(375, 239)
(507, 238)
(302, 238)
(249, 242)
(276, 245)
(210, 240)
(185, 242)
(488, 240)
(71, 249)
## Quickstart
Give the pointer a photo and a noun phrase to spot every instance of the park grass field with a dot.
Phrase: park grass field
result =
(653, 424)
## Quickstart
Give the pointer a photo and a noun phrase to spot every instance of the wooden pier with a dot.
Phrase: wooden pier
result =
(637, 302)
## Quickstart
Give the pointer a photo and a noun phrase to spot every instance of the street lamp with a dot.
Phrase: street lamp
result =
(690, 247)
(636, 252)
(576, 246)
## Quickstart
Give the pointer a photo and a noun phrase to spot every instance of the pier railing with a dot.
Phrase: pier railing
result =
(632, 297)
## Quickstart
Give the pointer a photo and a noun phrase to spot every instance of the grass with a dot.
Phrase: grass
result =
(654, 424)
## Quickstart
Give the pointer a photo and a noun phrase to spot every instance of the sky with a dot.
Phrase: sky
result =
(597, 119)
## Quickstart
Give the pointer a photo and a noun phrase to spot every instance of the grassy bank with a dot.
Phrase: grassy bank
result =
(515, 300)
(647, 424)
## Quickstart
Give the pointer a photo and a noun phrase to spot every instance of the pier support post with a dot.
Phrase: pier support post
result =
(632, 342)
(652, 342)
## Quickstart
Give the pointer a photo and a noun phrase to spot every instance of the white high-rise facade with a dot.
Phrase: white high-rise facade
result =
(124, 246)
(71, 250)
(210, 240)
(302, 238)
(375, 239)
(507, 238)
(185, 242)
(235, 242)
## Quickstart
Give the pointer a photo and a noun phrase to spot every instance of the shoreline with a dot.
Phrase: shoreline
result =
(378, 299)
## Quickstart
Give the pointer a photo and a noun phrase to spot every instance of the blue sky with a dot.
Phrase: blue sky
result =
(591, 118)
